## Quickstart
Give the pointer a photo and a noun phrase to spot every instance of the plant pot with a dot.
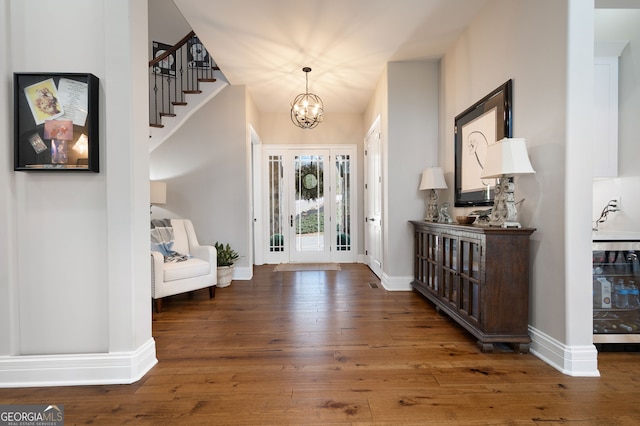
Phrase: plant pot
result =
(225, 275)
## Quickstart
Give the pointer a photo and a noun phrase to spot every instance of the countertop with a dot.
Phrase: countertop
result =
(616, 236)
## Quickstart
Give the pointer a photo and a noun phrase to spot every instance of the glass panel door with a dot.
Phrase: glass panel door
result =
(275, 204)
(341, 233)
(427, 260)
(616, 294)
(343, 202)
(470, 278)
(309, 240)
(449, 269)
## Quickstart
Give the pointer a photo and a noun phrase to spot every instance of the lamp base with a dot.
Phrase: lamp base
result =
(432, 206)
(504, 211)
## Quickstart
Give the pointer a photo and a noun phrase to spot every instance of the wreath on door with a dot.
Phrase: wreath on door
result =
(309, 181)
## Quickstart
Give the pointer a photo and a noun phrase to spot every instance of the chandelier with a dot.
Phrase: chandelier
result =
(307, 108)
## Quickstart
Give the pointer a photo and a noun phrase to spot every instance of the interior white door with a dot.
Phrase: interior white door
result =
(373, 200)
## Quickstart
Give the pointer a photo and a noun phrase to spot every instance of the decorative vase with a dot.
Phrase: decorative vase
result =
(225, 275)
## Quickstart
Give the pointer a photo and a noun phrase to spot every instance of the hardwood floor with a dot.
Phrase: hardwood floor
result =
(334, 347)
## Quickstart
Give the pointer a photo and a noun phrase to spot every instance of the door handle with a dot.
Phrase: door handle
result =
(291, 220)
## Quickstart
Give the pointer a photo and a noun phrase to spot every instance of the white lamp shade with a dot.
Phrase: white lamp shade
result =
(507, 157)
(433, 178)
(158, 193)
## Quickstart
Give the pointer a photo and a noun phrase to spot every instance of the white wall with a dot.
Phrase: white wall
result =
(412, 146)
(551, 110)
(204, 166)
(77, 274)
(8, 261)
(53, 273)
(166, 23)
(252, 137)
(618, 25)
(406, 98)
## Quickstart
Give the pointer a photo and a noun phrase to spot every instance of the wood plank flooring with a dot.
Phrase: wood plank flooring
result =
(328, 347)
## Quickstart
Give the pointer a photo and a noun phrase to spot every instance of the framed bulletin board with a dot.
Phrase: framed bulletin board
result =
(55, 122)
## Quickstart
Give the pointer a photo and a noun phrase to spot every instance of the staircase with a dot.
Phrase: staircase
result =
(182, 79)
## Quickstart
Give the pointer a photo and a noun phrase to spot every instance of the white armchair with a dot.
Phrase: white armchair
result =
(198, 272)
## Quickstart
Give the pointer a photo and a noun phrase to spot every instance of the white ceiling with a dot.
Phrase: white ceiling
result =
(264, 44)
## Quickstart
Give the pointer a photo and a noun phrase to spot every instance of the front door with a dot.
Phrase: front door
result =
(308, 240)
(309, 204)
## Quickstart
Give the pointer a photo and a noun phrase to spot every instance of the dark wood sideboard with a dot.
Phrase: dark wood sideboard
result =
(479, 276)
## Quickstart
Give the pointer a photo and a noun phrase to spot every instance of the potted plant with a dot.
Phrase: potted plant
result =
(226, 259)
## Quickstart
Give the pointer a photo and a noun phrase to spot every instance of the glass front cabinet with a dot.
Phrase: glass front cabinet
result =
(460, 269)
(616, 294)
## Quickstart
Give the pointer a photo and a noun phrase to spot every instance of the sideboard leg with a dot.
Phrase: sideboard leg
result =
(485, 347)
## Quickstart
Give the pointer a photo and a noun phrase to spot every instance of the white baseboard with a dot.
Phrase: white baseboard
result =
(396, 283)
(242, 273)
(578, 361)
(77, 369)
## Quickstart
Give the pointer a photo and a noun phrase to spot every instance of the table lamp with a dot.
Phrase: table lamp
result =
(432, 179)
(506, 158)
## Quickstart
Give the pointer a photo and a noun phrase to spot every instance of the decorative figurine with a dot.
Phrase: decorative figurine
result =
(444, 216)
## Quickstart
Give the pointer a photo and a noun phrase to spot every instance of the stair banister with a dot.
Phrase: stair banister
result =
(167, 91)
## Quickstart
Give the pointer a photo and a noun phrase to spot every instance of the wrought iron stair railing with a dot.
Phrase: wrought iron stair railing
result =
(175, 73)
